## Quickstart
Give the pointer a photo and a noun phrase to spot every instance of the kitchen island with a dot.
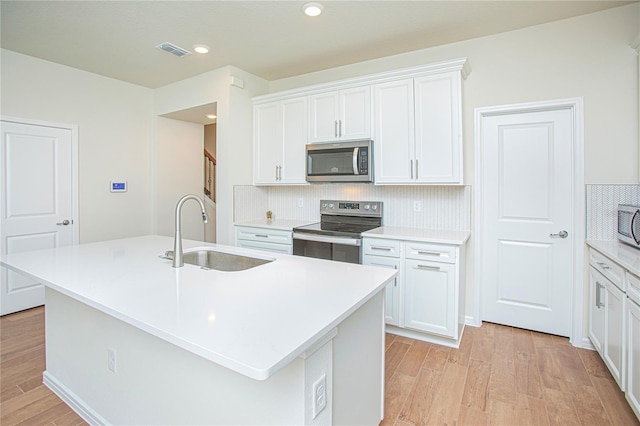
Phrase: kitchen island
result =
(131, 340)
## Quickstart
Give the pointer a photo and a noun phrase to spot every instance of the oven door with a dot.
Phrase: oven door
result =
(341, 249)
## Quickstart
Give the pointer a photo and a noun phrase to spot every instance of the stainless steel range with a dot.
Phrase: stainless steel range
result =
(338, 235)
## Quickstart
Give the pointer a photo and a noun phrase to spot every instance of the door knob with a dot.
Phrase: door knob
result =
(63, 223)
(561, 234)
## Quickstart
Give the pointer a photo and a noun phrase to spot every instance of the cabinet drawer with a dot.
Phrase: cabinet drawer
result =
(633, 287)
(608, 268)
(262, 234)
(430, 252)
(381, 247)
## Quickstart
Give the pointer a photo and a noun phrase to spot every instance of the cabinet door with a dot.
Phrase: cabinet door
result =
(614, 333)
(392, 290)
(354, 119)
(323, 112)
(633, 355)
(294, 139)
(430, 300)
(267, 137)
(438, 121)
(393, 134)
(596, 309)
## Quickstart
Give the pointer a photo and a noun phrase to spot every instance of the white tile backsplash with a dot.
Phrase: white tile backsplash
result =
(602, 203)
(443, 207)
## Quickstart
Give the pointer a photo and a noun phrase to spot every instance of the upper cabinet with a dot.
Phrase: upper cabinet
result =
(417, 131)
(280, 132)
(340, 115)
(413, 115)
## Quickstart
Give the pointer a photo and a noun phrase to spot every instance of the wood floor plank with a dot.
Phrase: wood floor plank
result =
(502, 413)
(445, 408)
(476, 389)
(472, 417)
(414, 358)
(437, 357)
(502, 384)
(528, 380)
(614, 402)
(594, 364)
(587, 403)
(419, 401)
(531, 411)
(560, 408)
(393, 357)
(462, 354)
(396, 391)
(482, 348)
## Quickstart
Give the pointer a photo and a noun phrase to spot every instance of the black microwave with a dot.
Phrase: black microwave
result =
(349, 161)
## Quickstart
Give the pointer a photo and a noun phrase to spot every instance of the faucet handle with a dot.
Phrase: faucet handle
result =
(167, 255)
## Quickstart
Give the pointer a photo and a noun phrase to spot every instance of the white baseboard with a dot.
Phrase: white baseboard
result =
(469, 320)
(585, 343)
(72, 400)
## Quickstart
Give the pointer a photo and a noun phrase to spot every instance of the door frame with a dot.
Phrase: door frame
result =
(74, 164)
(575, 106)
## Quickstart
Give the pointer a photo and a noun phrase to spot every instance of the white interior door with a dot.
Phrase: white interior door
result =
(37, 205)
(527, 210)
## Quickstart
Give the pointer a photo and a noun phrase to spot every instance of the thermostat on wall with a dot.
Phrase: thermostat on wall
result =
(118, 186)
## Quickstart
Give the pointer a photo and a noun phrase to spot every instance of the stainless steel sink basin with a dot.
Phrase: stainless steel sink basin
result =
(209, 258)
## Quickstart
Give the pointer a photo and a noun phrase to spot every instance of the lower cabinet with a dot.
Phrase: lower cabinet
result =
(424, 301)
(633, 355)
(392, 291)
(266, 239)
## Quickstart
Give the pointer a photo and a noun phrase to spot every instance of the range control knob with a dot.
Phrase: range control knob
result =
(330, 205)
(374, 206)
(367, 206)
(324, 205)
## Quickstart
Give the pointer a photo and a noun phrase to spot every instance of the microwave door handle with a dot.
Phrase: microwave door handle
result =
(636, 216)
(355, 161)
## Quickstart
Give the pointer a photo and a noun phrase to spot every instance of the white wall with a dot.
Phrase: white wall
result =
(114, 122)
(234, 131)
(179, 148)
(588, 56)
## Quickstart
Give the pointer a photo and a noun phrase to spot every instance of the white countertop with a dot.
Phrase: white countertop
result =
(281, 224)
(627, 256)
(253, 322)
(418, 234)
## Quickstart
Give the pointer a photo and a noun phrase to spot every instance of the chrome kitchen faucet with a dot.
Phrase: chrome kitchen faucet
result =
(178, 261)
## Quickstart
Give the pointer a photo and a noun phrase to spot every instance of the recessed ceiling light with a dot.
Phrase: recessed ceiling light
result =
(211, 116)
(312, 9)
(201, 48)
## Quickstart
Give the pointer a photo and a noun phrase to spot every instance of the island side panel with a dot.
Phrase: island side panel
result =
(358, 366)
(155, 382)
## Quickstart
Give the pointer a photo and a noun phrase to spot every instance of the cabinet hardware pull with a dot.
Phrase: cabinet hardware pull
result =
(599, 303)
(603, 265)
(261, 235)
(339, 128)
(335, 128)
(431, 268)
(416, 168)
(380, 248)
(411, 167)
(430, 253)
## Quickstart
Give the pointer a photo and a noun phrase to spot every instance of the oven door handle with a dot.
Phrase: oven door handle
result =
(326, 239)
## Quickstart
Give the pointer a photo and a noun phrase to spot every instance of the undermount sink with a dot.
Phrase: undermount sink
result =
(208, 258)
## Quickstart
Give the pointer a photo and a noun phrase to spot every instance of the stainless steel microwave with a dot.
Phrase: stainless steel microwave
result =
(349, 161)
(629, 224)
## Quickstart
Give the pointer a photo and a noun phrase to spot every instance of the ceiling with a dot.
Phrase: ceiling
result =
(271, 39)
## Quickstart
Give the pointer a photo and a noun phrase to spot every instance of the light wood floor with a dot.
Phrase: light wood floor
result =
(500, 375)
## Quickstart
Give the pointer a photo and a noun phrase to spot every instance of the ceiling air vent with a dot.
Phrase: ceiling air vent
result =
(173, 49)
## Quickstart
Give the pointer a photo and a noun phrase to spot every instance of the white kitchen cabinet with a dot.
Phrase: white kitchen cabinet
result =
(340, 115)
(392, 290)
(280, 135)
(633, 354)
(417, 130)
(264, 238)
(429, 285)
(430, 300)
(608, 337)
(596, 309)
